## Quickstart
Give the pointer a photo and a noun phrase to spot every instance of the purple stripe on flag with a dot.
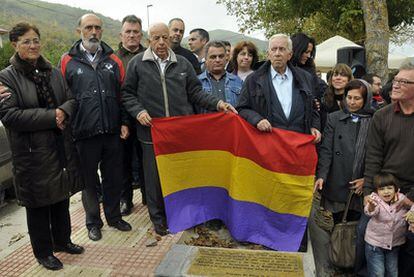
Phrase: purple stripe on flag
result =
(246, 221)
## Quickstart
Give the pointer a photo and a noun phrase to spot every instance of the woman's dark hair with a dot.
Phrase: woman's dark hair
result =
(251, 48)
(20, 29)
(357, 84)
(339, 68)
(300, 43)
(385, 179)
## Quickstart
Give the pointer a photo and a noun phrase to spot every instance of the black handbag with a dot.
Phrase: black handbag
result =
(342, 244)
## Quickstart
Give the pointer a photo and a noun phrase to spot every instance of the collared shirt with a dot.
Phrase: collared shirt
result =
(282, 83)
(91, 57)
(162, 63)
(232, 86)
(203, 64)
(218, 86)
(354, 118)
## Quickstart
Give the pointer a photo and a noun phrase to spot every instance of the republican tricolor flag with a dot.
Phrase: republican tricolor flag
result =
(219, 166)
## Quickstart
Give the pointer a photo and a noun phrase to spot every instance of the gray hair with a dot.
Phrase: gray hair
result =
(86, 15)
(407, 66)
(289, 41)
(215, 44)
(154, 25)
(131, 19)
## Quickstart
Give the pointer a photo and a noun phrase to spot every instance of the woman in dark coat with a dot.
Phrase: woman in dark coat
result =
(341, 161)
(45, 163)
(342, 152)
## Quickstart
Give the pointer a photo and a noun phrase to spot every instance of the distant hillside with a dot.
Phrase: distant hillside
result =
(233, 38)
(57, 24)
(57, 19)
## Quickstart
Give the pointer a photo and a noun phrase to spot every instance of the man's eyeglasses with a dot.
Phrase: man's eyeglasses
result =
(402, 82)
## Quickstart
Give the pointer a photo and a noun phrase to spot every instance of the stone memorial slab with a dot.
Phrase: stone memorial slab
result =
(231, 262)
(183, 260)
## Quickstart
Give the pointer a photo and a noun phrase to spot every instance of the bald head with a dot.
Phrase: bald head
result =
(88, 15)
(157, 27)
(90, 31)
(176, 28)
(158, 34)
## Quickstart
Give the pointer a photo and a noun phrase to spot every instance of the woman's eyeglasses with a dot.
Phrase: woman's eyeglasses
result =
(28, 42)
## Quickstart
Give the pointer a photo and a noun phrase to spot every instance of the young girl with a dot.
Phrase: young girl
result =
(386, 227)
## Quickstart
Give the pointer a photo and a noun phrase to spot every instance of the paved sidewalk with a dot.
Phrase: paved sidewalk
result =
(116, 254)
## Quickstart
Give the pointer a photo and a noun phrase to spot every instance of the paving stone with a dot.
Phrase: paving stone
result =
(116, 254)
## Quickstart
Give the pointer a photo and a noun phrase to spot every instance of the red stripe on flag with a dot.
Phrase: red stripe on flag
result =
(279, 151)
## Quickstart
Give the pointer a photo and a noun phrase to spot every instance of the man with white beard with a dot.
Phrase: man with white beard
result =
(94, 75)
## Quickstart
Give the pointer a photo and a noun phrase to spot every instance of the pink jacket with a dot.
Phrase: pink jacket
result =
(387, 227)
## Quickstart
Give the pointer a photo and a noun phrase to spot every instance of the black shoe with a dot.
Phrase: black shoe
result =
(70, 248)
(94, 233)
(126, 208)
(50, 262)
(214, 224)
(144, 200)
(121, 225)
(161, 229)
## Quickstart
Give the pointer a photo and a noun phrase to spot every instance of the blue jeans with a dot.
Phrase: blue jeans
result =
(381, 262)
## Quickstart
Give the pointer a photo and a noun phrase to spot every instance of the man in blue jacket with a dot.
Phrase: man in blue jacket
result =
(215, 79)
(95, 74)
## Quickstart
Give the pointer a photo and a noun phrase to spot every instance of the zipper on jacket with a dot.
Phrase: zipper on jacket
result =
(164, 88)
(98, 91)
(101, 101)
(30, 143)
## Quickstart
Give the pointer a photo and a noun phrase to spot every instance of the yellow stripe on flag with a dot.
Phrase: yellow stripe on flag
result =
(241, 177)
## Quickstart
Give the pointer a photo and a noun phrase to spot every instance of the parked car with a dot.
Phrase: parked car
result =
(6, 175)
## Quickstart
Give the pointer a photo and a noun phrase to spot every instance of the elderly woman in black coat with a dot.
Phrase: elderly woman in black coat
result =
(45, 163)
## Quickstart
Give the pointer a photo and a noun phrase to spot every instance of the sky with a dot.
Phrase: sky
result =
(195, 13)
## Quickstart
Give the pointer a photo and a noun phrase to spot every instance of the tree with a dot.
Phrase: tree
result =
(319, 18)
(5, 53)
(377, 36)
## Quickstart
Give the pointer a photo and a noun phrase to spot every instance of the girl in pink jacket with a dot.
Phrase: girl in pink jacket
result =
(386, 228)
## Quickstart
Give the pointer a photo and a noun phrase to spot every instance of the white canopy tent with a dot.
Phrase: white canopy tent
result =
(326, 53)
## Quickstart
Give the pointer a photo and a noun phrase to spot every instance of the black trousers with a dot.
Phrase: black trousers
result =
(48, 226)
(132, 160)
(155, 201)
(105, 150)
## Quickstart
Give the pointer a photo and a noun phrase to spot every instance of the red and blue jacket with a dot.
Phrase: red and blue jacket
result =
(96, 90)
